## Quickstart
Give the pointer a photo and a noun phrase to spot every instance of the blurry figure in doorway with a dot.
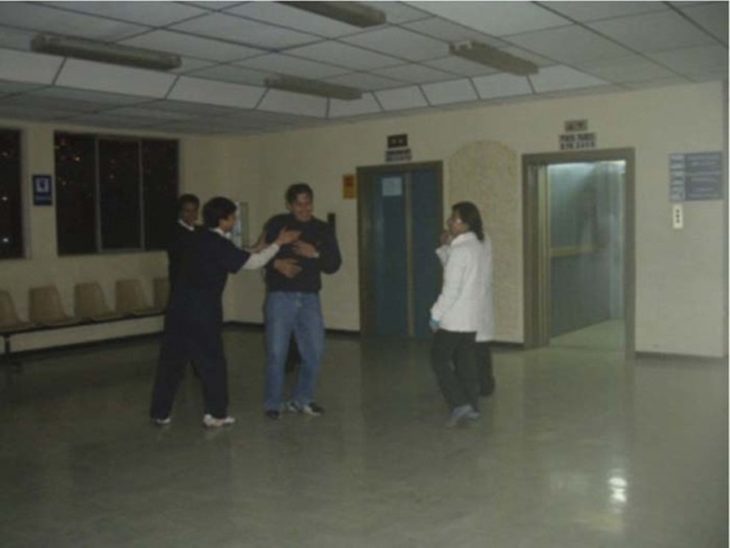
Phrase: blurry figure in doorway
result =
(194, 318)
(485, 332)
(293, 283)
(457, 314)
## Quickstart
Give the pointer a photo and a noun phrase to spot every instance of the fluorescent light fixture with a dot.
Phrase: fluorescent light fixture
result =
(492, 57)
(351, 13)
(116, 54)
(313, 87)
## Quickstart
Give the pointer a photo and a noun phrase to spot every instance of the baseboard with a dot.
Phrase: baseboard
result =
(260, 326)
(667, 357)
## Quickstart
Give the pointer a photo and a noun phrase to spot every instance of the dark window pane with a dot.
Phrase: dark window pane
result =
(75, 193)
(119, 194)
(159, 169)
(11, 227)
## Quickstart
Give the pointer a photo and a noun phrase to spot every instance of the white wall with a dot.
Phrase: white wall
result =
(680, 280)
(680, 277)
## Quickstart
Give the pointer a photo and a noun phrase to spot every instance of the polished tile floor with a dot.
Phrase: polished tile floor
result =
(576, 449)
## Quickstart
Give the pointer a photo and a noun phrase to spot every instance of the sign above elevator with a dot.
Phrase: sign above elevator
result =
(397, 150)
(576, 136)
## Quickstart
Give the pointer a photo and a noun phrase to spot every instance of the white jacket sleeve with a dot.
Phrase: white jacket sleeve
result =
(257, 260)
(443, 254)
(453, 274)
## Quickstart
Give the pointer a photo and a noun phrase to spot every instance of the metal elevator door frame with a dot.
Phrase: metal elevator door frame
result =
(536, 234)
(367, 177)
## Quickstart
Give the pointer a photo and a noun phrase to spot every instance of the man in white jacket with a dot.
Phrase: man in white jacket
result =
(457, 314)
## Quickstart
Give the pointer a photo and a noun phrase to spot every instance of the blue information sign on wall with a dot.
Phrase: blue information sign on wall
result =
(42, 190)
(696, 176)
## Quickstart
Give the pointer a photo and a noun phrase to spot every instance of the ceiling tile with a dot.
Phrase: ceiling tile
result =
(39, 101)
(669, 30)
(244, 31)
(397, 12)
(569, 44)
(593, 11)
(365, 105)
(15, 38)
(189, 63)
(148, 113)
(712, 17)
(344, 55)
(364, 81)
(213, 5)
(287, 16)
(400, 43)
(294, 103)
(452, 32)
(63, 93)
(626, 69)
(193, 46)
(444, 93)
(7, 88)
(495, 18)
(277, 63)
(562, 78)
(154, 14)
(401, 98)
(215, 93)
(415, 74)
(462, 67)
(231, 73)
(694, 61)
(539, 60)
(193, 109)
(32, 68)
(35, 114)
(501, 85)
(43, 18)
(114, 78)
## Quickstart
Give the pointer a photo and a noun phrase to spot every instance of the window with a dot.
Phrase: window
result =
(11, 224)
(114, 193)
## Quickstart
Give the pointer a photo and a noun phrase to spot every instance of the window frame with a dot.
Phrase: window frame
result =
(22, 194)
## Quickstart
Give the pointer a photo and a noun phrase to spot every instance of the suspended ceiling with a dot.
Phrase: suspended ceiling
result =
(229, 48)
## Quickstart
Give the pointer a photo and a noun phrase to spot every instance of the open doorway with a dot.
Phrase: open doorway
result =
(579, 250)
(400, 213)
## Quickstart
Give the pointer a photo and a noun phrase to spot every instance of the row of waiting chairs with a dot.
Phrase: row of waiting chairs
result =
(46, 311)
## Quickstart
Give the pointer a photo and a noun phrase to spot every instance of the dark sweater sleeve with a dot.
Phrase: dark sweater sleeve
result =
(231, 257)
(330, 259)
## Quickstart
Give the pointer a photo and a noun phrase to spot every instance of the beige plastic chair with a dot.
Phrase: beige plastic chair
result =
(46, 307)
(162, 292)
(9, 320)
(130, 299)
(90, 304)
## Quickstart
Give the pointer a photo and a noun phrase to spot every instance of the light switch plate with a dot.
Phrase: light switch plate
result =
(677, 216)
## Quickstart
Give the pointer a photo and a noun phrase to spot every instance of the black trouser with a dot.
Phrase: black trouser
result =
(484, 368)
(458, 383)
(185, 340)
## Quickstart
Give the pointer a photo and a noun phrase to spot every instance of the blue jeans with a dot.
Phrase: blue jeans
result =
(301, 314)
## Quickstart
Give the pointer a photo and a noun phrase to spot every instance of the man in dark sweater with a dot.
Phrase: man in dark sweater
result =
(181, 236)
(194, 318)
(293, 282)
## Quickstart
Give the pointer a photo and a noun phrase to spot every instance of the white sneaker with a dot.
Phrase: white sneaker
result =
(162, 422)
(458, 414)
(209, 421)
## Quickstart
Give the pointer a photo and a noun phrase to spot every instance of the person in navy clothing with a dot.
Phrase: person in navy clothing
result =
(182, 232)
(293, 282)
(194, 318)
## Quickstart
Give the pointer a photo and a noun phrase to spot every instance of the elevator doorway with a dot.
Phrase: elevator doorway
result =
(579, 250)
(400, 218)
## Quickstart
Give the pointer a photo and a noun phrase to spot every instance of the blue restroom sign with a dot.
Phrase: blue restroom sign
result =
(42, 190)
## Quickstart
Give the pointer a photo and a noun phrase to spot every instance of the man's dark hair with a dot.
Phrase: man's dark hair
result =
(187, 199)
(469, 214)
(216, 209)
(296, 189)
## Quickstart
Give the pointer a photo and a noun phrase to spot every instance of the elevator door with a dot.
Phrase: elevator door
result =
(402, 230)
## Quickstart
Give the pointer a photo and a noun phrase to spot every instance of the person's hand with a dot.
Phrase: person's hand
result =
(287, 267)
(445, 238)
(434, 325)
(304, 249)
(287, 237)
